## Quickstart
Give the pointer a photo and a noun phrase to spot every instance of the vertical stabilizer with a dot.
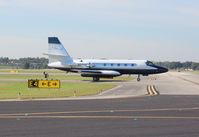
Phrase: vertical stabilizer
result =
(58, 56)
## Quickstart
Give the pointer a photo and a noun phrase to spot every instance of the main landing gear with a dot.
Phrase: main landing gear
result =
(138, 78)
(96, 79)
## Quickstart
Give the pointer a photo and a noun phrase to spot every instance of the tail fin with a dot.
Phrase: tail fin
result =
(58, 56)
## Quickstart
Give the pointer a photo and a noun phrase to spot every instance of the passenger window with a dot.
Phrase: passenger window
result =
(125, 65)
(118, 64)
(111, 64)
(104, 64)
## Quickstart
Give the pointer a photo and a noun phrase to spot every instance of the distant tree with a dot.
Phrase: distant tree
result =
(197, 68)
(194, 66)
(4, 60)
(179, 65)
(41, 63)
(26, 65)
(187, 65)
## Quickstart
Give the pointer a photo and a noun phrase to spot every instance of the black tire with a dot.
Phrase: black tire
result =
(96, 79)
(138, 79)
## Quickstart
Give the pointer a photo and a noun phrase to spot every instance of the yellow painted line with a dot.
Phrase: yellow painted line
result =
(149, 90)
(99, 117)
(101, 111)
(47, 113)
(153, 93)
(154, 90)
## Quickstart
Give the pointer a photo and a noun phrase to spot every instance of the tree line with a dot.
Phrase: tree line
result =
(176, 65)
(24, 63)
(41, 63)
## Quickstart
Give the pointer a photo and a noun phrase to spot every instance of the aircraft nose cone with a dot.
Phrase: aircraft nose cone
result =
(163, 70)
(166, 70)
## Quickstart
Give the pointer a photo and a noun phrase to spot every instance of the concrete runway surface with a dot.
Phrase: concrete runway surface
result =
(130, 113)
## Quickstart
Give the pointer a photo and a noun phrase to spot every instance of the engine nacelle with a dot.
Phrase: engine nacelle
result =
(100, 73)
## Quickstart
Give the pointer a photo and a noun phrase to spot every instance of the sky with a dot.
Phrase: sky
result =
(157, 30)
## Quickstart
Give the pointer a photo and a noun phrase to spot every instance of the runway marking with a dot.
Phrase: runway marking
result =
(99, 117)
(99, 111)
(193, 82)
(150, 93)
(155, 90)
(188, 80)
(151, 90)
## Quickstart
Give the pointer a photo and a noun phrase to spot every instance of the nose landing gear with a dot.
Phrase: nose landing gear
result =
(138, 78)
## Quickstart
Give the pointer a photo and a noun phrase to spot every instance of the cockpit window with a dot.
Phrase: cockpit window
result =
(149, 63)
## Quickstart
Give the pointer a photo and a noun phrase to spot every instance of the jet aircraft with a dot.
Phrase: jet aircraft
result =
(97, 68)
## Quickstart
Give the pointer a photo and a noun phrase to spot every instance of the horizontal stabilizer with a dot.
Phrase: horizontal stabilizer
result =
(48, 54)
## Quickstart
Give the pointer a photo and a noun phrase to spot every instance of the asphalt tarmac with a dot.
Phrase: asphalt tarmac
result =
(172, 113)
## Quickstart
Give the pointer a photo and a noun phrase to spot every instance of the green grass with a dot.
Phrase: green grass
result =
(8, 70)
(5, 67)
(11, 84)
(10, 90)
(60, 76)
(39, 76)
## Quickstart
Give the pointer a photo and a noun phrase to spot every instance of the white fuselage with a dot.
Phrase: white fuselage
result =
(103, 64)
(97, 68)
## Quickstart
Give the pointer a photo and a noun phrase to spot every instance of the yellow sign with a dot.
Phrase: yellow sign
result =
(54, 84)
(33, 83)
(44, 83)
